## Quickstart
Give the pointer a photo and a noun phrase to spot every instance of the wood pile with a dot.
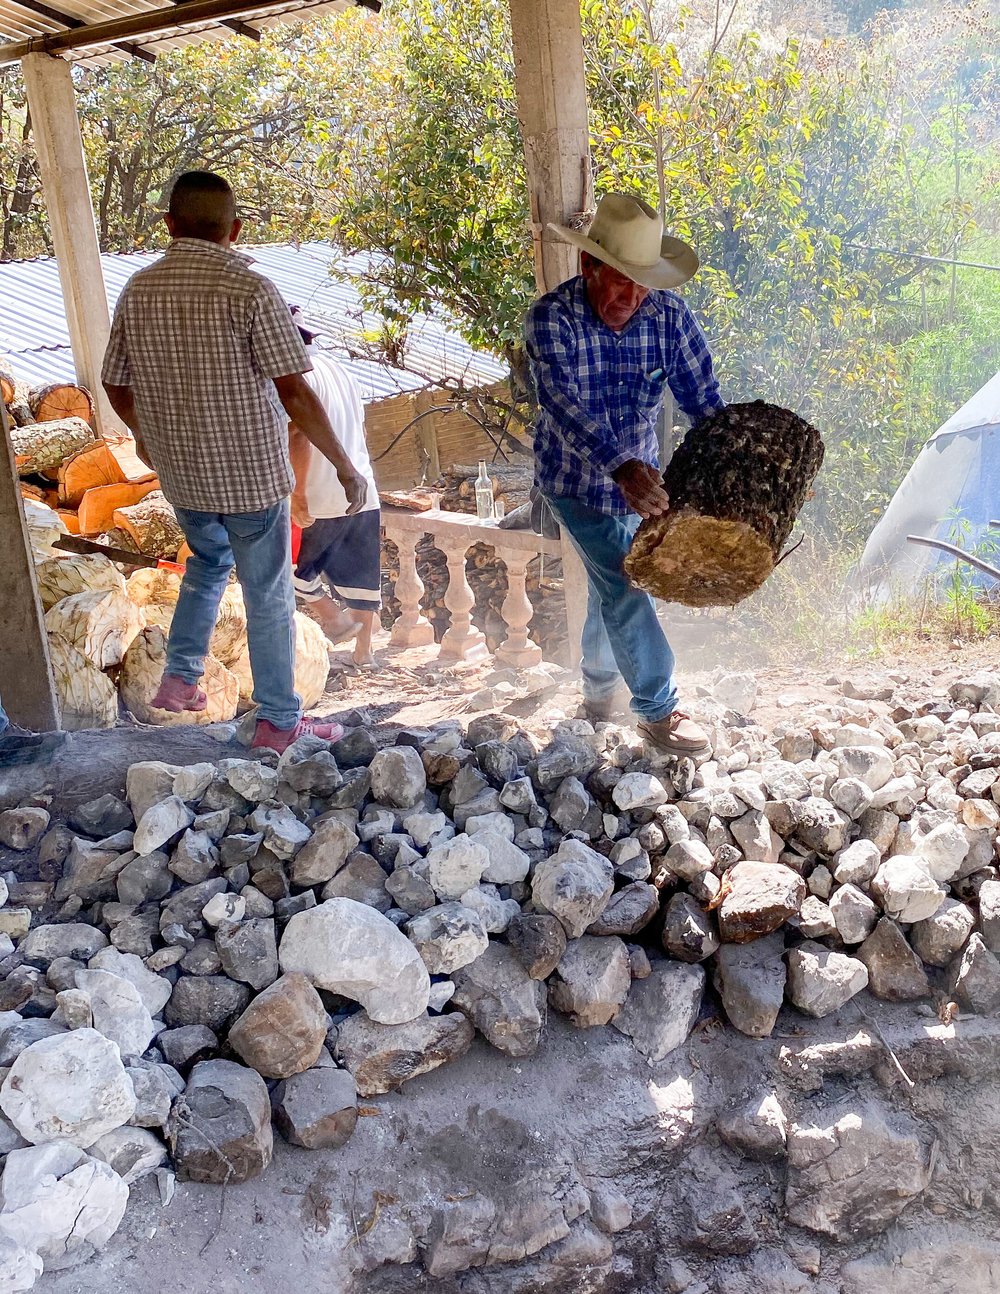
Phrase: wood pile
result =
(98, 490)
(511, 483)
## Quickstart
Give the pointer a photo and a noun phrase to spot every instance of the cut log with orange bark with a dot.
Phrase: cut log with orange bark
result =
(153, 525)
(98, 506)
(58, 400)
(87, 469)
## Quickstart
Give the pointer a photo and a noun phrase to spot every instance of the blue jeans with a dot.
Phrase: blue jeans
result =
(259, 545)
(622, 637)
(4, 721)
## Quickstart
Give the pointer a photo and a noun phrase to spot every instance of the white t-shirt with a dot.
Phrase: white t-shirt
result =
(341, 399)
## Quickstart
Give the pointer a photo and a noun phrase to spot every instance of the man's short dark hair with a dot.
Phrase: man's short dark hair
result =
(203, 205)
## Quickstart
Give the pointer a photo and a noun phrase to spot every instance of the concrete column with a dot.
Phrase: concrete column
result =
(552, 109)
(59, 148)
(26, 686)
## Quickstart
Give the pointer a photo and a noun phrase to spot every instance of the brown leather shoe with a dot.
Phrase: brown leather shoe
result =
(676, 734)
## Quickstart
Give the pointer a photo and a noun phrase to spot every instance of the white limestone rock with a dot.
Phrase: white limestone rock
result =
(398, 777)
(573, 885)
(349, 948)
(821, 981)
(906, 890)
(60, 1203)
(71, 1086)
(448, 937)
(154, 989)
(118, 1010)
(456, 866)
(161, 825)
(639, 791)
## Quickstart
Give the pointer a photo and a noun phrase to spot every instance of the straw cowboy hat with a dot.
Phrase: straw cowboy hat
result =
(627, 234)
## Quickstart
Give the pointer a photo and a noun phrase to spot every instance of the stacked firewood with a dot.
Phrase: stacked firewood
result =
(98, 490)
(511, 485)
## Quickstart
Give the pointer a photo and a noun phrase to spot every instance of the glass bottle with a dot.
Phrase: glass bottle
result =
(484, 493)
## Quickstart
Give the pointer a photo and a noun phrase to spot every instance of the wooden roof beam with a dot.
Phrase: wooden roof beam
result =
(67, 20)
(148, 25)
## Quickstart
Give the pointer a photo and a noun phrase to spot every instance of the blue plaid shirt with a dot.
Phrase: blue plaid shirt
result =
(600, 392)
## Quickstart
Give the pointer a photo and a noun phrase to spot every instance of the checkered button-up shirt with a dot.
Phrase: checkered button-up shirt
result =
(198, 336)
(600, 392)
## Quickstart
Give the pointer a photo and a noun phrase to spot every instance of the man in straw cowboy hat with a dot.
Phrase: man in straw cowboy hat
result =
(603, 348)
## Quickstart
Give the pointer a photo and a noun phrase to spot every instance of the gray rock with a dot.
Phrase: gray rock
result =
(751, 981)
(975, 976)
(942, 850)
(592, 980)
(628, 911)
(715, 1217)
(105, 816)
(760, 899)
(661, 1011)
(321, 858)
(756, 837)
(71, 1086)
(989, 916)
(132, 1152)
(518, 795)
(852, 796)
(448, 937)
(348, 948)
(117, 1010)
(573, 885)
(871, 765)
(155, 1088)
(356, 749)
(223, 909)
(20, 1267)
(188, 1043)
(570, 805)
(610, 1210)
(854, 1175)
(88, 873)
(639, 791)
(201, 959)
(538, 941)
(254, 781)
(161, 825)
(816, 921)
(318, 1109)
(20, 1034)
(502, 1001)
(736, 692)
(938, 939)
(145, 879)
(220, 1129)
(283, 1029)
(906, 890)
(363, 881)
(410, 891)
(821, 981)
(382, 1057)
(184, 908)
(249, 952)
(196, 857)
(854, 913)
(690, 859)
(422, 826)
(211, 1000)
(495, 913)
(821, 827)
(284, 834)
(758, 1129)
(21, 829)
(689, 932)
(895, 972)
(398, 777)
(310, 771)
(858, 863)
(73, 939)
(60, 1204)
(456, 866)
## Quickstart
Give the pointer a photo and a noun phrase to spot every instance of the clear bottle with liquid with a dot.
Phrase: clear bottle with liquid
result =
(484, 493)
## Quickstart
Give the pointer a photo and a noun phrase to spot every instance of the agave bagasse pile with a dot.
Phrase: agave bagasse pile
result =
(736, 485)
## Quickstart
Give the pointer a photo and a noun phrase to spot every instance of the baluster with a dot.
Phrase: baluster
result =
(462, 639)
(411, 628)
(517, 650)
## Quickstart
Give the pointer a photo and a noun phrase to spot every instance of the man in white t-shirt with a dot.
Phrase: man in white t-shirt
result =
(345, 549)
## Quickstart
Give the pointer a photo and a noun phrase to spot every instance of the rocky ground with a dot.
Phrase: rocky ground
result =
(498, 1002)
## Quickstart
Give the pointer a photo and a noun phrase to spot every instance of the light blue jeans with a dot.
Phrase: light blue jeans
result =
(622, 637)
(259, 545)
(4, 721)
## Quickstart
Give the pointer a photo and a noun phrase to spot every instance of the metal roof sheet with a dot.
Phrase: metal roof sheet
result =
(35, 337)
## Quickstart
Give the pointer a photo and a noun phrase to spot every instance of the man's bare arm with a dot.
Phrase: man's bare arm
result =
(122, 401)
(300, 454)
(306, 411)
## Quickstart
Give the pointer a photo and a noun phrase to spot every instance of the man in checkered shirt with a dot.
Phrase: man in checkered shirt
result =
(603, 348)
(205, 366)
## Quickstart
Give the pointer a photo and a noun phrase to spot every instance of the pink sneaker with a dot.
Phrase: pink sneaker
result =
(266, 736)
(177, 696)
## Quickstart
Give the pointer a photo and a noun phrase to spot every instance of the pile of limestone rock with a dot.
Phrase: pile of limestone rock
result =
(244, 944)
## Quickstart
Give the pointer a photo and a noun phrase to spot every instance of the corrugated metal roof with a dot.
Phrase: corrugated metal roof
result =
(35, 336)
(20, 20)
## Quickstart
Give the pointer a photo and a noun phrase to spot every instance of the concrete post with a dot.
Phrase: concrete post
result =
(59, 148)
(26, 686)
(552, 109)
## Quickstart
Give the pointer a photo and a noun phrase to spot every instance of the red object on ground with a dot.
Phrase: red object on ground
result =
(296, 542)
